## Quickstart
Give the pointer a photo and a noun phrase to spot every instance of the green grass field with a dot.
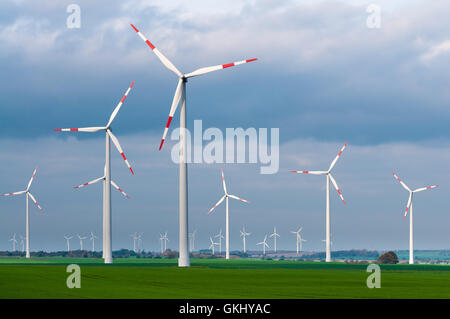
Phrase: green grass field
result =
(217, 278)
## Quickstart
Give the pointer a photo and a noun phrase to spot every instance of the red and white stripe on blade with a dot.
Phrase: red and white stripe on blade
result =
(34, 200)
(337, 157)
(119, 148)
(310, 172)
(31, 179)
(223, 182)
(160, 56)
(238, 198)
(90, 182)
(425, 188)
(80, 129)
(119, 189)
(16, 193)
(173, 108)
(217, 67)
(217, 204)
(401, 182)
(337, 189)
(116, 110)
(408, 205)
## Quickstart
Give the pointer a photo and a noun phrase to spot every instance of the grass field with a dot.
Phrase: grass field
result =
(217, 278)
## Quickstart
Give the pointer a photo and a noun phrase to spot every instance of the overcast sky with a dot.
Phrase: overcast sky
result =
(323, 78)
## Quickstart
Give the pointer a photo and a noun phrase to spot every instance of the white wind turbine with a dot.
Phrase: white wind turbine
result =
(161, 239)
(135, 237)
(299, 239)
(227, 218)
(212, 245)
(67, 238)
(107, 229)
(244, 234)
(103, 179)
(14, 241)
(92, 239)
(165, 239)
(264, 244)
(81, 241)
(192, 238)
(22, 242)
(180, 96)
(220, 236)
(139, 242)
(409, 207)
(329, 177)
(27, 215)
(275, 235)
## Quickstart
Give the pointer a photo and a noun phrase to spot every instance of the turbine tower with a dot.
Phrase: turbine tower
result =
(161, 239)
(139, 242)
(329, 177)
(135, 237)
(212, 244)
(14, 242)
(299, 239)
(81, 241)
(92, 239)
(192, 238)
(180, 98)
(409, 207)
(275, 235)
(220, 236)
(244, 234)
(227, 218)
(22, 242)
(27, 215)
(107, 227)
(264, 244)
(67, 238)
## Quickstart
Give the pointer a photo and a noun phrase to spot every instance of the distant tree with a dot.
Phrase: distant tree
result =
(388, 258)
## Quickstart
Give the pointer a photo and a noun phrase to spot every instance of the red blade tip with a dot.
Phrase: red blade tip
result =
(134, 28)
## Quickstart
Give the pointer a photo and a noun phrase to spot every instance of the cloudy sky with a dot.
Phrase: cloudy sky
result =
(323, 78)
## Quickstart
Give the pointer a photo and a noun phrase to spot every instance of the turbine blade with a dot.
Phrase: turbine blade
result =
(208, 69)
(160, 56)
(90, 182)
(119, 189)
(16, 193)
(81, 129)
(408, 205)
(337, 157)
(238, 198)
(310, 172)
(173, 108)
(425, 188)
(34, 200)
(218, 203)
(31, 179)
(337, 188)
(117, 144)
(401, 182)
(223, 182)
(116, 110)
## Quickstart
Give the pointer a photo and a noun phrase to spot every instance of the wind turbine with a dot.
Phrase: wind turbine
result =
(329, 177)
(67, 238)
(161, 239)
(14, 241)
(81, 241)
(192, 238)
(244, 234)
(220, 236)
(92, 238)
(107, 229)
(409, 207)
(22, 242)
(180, 97)
(212, 244)
(275, 235)
(227, 219)
(165, 239)
(135, 237)
(27, 215)
(139, 242)
(299, 239)
(264, 245)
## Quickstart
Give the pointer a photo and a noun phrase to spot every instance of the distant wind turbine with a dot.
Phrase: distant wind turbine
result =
(220, 236)
(299, 239)
(22, 242)
(192, 238)
(275, 235)
(329, 177)
(409, 207)
(212, 244)
(244, 234)
(135, 237)
(81, 241)
(14, 242)
(92, 238)
(227, 219)
(67, 238)
(27, 215)
(264, 244)
(180, 98)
